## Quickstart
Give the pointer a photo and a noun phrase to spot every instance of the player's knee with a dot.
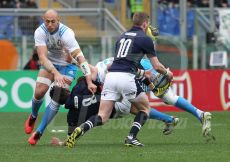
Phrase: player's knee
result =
(40, 91)
(170, 97)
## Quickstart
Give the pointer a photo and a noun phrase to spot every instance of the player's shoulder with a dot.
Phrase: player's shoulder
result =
(108, 60)
(147, 42)
(41, 29)
(146, 64)
(63, 29)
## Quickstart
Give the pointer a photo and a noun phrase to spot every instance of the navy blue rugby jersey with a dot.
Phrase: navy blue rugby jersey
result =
(130, 48)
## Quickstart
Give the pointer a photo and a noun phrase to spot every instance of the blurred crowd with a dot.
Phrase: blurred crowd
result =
(18, 4)
(7, 24)
(196, 3)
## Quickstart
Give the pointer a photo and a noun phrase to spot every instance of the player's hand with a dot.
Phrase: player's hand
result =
(148, 74)
(92, 88)
(152, 32)
(169, 75)
(59, 79)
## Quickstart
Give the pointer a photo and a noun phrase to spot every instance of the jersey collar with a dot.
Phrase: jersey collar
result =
(136, 28)
(55, 30)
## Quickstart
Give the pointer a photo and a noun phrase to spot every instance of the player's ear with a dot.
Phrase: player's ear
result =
(58, 19)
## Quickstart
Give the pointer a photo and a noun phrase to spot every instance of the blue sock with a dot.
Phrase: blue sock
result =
(36, 104)
(186, 106)
(51, 111)
(154, 114)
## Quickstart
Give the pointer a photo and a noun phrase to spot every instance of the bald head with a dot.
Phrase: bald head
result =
(51, 13)
(51, 20)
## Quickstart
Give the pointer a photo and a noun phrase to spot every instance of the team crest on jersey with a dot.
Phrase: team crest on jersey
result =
(59, 42)
(71, 72)
(181, 86)
(225, 90)
(53, 44)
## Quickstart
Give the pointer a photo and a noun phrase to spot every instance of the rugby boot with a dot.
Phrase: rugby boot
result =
(130, 142)
(35, 137)
(77, 133)
(169, 127)
(29, 124)
(206, 126)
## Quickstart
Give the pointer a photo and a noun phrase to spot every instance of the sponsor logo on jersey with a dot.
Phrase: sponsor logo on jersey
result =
(225, 90)
(181, 86)
(71, 72)
(130, 94)
(89, 101)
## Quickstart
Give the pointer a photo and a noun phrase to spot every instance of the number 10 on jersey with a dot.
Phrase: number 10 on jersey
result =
(124, 47)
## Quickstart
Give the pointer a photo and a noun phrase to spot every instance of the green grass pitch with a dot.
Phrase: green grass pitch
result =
(105, 144)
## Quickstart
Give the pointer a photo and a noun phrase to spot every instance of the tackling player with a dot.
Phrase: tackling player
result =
(171, 98)
(130, 49)
(82, 104)
(53, 40)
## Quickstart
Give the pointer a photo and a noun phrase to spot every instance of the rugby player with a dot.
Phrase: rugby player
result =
(130, 48)
(56, 47)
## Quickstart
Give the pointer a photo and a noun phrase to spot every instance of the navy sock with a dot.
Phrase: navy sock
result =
(93, 121)
(139, 121)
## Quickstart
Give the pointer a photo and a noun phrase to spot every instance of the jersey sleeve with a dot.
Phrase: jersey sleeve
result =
(149, 49)
(40, 37)
(69, 41)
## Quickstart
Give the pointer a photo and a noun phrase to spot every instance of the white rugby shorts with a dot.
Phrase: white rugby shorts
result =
(118, 86)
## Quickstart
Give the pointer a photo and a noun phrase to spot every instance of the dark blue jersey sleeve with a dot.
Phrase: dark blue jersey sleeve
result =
(149, 47)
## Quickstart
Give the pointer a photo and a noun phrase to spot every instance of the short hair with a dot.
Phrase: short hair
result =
(139, 18)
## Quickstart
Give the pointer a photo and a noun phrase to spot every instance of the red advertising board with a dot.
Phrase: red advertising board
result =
(208, 90)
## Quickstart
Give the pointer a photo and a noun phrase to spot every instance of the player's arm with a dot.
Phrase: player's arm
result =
(160, 68)
(79, 57)
(48, 65)
(93, 72)
(72, 47)
(40, 43)
(157, 65)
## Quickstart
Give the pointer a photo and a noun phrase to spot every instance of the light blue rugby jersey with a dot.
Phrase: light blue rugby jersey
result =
(146, 64)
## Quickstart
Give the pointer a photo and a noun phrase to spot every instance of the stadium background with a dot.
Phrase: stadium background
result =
(190, 31)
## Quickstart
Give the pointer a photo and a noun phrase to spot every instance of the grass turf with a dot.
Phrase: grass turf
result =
(106, 143)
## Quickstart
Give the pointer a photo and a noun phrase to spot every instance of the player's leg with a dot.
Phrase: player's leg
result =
(142, 104)
(108, 96)
(53, 106)
(170, 121)
(155, 114)
(44, 80)
(180, 102)
(172, 99)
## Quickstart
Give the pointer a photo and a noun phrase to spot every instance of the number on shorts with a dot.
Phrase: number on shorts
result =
(124, 47)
